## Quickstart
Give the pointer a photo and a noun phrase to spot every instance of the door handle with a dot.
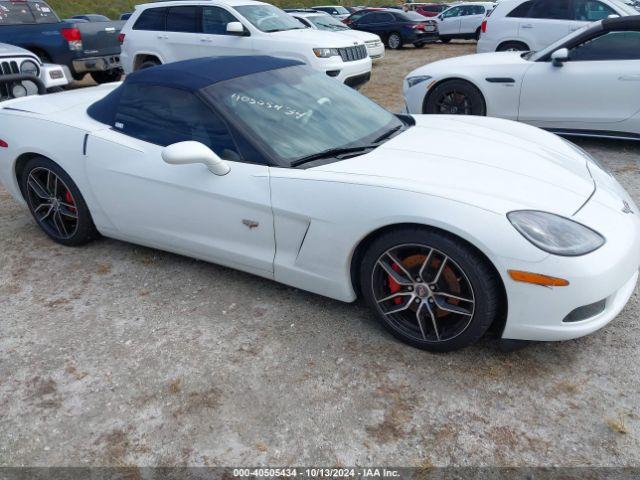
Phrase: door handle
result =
(630, 78)
(208, 40)
(527, 25)
(163, 37)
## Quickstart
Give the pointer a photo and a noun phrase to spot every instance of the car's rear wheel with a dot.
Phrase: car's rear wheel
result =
(148, 64)
(445, 39)
(56, 203)
(429, 288)
(418, 45)
(107, 76)
(394, 41)
(512, 47)
(455, 97)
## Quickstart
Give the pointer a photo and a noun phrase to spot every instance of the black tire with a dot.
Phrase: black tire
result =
(512, 47)
(394, 41)
(107, 76)
(445, 39)
(477, 35)
(479, 279)
(455, 97)
(68, 202)
(419, 45)
(148, 64)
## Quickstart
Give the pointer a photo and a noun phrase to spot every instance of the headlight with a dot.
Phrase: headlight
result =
(326, 52)
(588, 156)
(555, 234)
(411, 81)
(29, 67)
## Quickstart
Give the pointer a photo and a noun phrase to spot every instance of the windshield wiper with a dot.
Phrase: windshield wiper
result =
(388, 134)
(331, 153)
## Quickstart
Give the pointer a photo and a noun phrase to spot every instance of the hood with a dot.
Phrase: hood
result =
(484, 60)
(358, 35)
(317, 38)
(494, 164)
(6, 49)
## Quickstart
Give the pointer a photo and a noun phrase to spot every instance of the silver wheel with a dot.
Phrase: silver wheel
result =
(52, 203)
(423, 292)
(395, 41)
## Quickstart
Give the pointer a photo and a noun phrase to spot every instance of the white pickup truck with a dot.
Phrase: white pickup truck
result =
(22, 73)
(166, 32)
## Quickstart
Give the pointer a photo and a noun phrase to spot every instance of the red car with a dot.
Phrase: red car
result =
(430, 9)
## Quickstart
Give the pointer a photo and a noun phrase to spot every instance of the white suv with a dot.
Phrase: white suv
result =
(166, 32)
(463, 20)
(535, 24)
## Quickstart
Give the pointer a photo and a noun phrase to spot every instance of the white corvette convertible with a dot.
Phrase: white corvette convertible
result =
(445, 225)
(586, 84)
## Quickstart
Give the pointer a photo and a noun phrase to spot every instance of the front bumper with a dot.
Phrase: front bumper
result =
(97, 64)
(349, 72)
(376, 52)
(605, 277)
(54, 75)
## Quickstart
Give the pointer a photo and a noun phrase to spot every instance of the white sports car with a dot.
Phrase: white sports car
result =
(586, 84)
(264, 165)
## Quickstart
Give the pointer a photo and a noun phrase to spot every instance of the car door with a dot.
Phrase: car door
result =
(371, 22)
(471, 18)
(180, 208)
(215, 40)
(599, 84)
(182, 36)
(449, 21)
(547, 21)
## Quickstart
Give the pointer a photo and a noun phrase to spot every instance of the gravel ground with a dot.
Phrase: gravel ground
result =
(113, 354)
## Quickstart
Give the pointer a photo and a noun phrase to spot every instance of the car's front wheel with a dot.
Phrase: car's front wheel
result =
(512, 47)
(107, 76)
(455, 97)
(394, 41)
(429, 288)
(56, 203)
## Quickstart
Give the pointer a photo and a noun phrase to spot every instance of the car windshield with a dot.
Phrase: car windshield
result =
(268, 18)
(327, 22)
(295, 113)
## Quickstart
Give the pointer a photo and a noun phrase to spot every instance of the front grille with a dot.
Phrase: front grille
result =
(7, 68)
(351, 54)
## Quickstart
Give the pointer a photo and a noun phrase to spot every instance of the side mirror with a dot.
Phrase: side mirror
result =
(559, 57)
(184, 153)
(235, 28)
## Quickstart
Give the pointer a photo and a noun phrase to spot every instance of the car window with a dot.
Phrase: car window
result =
(522, 10)
(327, 22)
(367, 19)
(551, 10)
(43, 13)
(215, 20)
(591, 10)
(163, 116)
(610, 46)
(183, 19)
(453, 12)
(151, 19)
(387, 18)
(15, 14)
(409, 17)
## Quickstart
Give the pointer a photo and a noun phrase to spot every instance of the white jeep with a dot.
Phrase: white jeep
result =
(166, 32)
(22, 73)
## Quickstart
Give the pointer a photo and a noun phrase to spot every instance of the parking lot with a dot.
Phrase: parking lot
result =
(113, 354)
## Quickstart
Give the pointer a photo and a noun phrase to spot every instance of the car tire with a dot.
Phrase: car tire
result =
(107, 76)
(394, 41)
(454, 283)
(149, 64)
(477, 35)
(419, 45)
(445, 39)
(455, 97)
(56, 203)
(512, 47)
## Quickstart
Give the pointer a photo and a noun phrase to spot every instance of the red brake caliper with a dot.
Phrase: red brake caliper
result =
(69, 199)
(394, 286)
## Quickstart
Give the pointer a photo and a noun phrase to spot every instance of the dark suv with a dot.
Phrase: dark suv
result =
(398, 28)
